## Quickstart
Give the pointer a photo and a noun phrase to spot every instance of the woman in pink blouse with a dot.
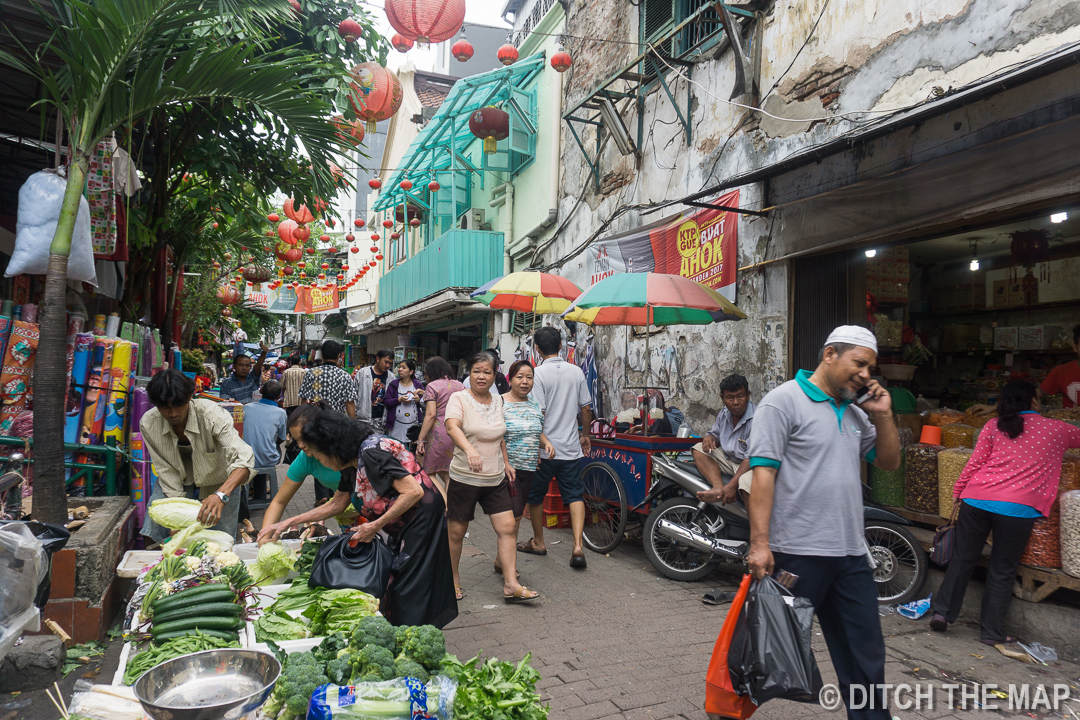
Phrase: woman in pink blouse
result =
(1010, 481)
(433, 444)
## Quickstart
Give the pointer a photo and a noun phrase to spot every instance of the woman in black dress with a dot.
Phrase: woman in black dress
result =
(392, 494)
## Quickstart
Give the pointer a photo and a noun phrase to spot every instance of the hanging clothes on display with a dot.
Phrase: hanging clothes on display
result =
(15, 374)
(100, 196)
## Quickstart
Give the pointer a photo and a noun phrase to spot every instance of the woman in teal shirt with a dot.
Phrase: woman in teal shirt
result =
(303, 466)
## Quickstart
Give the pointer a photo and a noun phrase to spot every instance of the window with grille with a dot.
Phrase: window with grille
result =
(660, 17)
(524, 323)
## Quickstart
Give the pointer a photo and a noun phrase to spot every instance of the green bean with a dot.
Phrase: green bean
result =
(155, 655)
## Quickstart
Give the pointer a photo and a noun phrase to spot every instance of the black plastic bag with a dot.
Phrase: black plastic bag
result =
(53, 538)
(360, 566)
(770, 655)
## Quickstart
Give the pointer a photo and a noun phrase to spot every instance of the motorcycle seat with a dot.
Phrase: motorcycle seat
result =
(688, 467)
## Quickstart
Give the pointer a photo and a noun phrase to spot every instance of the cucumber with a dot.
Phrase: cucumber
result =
(209, 610)
(194, 596)
(219, 634)
(203, 623)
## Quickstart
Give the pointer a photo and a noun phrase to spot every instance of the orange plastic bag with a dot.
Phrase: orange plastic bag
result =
(720, 698)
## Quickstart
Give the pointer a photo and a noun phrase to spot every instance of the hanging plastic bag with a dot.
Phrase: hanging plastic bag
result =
(770, 654)
(40, 199)
(23, 565)
(720, 695)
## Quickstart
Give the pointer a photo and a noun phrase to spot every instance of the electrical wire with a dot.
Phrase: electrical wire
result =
(801, 48)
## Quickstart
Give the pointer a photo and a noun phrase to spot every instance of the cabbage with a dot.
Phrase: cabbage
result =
(175, 513)
(279, 627)
(223, 540)
(274, 561)
(192, 534)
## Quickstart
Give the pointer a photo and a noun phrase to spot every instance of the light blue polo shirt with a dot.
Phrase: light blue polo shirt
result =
(817, 445)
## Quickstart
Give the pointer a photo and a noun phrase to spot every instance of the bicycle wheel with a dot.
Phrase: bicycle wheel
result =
(605, 508)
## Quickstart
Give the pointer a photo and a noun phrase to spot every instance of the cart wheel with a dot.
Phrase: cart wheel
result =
(605, 508)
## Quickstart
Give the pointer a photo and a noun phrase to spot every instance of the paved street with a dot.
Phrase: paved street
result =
(617, 641)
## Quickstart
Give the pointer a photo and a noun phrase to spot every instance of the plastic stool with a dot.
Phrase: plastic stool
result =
(272, 487)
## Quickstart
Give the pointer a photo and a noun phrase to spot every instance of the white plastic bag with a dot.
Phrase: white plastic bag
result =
(23, 565)
(40, 199)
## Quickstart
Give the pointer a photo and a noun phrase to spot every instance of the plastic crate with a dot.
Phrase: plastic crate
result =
(557, 519)
(553, 500)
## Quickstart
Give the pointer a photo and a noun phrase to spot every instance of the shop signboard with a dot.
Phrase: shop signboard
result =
(700, 246)
(301, 301)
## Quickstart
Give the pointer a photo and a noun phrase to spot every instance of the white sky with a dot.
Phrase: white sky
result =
(481, 12)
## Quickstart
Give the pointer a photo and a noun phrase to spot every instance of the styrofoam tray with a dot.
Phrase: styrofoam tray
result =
(134, 561)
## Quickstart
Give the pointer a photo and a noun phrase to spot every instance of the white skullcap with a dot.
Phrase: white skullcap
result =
(853, 335)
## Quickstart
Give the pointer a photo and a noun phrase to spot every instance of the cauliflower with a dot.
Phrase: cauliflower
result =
(212, 548)
(193, 563)
(227, 558)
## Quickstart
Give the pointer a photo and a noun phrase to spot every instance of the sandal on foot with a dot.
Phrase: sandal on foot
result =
(458, 595)
(521, 595)
(1008, 640)
(938, 623)
(578, 562)
(527, 547)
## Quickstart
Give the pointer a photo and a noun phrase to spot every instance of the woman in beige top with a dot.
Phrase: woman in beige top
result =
(481, 473)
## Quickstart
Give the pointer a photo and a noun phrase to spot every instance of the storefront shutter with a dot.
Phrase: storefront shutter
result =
(828, 291)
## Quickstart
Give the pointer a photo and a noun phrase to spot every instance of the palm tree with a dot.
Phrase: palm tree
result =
(122, 60)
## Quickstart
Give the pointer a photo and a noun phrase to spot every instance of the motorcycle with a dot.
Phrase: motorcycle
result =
(685, 538)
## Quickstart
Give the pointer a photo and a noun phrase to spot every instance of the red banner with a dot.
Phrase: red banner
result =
(700, 245)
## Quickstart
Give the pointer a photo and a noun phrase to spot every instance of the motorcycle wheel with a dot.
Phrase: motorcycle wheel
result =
(670, 557)
(605, 508)
(902, 563)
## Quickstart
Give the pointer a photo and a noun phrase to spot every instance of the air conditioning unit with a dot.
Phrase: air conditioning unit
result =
(472, 220)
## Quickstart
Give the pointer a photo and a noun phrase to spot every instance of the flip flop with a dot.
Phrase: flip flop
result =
(527, 547)
(458, 595)
(1009, 639)
(578, 562)
(519, 596)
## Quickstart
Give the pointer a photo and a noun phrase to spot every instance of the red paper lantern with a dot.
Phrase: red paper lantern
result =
(401, 43)
(350, 132)
(379, 256)
(491, 125)
(301, 264)
(256, 274)
(227, 256)
(374, 248)
(376, 237)
(269, 233)
(250, 284)
(300, 215)
(330, 222)
(322, 276)
(228, 295)
(288, 270)
(561, 61)
(345, 268)
(354, 250)
(226, 311)
(388, 224)
(296, 7)
(285, 231)
(310, 250)
(301, 233)
(462, 50)
(303, 275)
(324, 238)
(406, 185)
(349, 30)
(395, 236)
(340, 276)
(376, 93)
(288, 253)
(358, 223)
(374, 184)
(433, 186)
(426, 21)
(325, 266)
(508, 54)
(273, 217)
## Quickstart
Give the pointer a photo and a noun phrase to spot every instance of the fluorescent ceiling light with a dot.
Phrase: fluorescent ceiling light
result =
(614, 124)
(871, 253)
(1059, 217)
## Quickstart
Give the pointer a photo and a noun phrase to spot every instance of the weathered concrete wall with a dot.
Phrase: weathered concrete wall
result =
(863, 56)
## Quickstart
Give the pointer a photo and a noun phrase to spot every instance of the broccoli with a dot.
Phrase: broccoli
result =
(372, 664)
(374, 630)
(302, 675)
(424, 644)
(339, 670)
(403, 667)
(331, 647)
(401, 635)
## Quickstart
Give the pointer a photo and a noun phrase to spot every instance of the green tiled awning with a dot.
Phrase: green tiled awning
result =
(440, 146)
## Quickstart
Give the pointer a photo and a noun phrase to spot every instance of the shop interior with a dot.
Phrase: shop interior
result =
(957, 316)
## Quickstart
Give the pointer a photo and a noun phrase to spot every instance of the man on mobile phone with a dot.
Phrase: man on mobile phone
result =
(806, 513)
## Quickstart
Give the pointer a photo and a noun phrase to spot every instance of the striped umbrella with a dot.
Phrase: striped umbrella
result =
(528, 291)
(651, 299)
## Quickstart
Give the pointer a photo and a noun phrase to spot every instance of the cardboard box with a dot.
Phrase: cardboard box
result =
(1016, 294)
(1005, 338)
(1001, 293)
(1036, 337)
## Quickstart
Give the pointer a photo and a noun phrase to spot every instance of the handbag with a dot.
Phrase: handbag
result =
(720, 695)
(341, 563)
(941, 551)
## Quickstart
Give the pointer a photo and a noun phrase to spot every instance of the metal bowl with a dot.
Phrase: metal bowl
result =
(224, 684)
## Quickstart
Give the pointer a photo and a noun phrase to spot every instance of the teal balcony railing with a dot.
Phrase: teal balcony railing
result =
(456, 259)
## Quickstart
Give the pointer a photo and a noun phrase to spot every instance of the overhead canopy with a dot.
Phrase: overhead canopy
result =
(441, 145)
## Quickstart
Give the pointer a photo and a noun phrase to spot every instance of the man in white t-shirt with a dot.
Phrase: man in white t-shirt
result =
(563, 394)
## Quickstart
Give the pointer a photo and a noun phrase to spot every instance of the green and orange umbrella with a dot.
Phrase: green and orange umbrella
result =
(651, 299)
(529, 292)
